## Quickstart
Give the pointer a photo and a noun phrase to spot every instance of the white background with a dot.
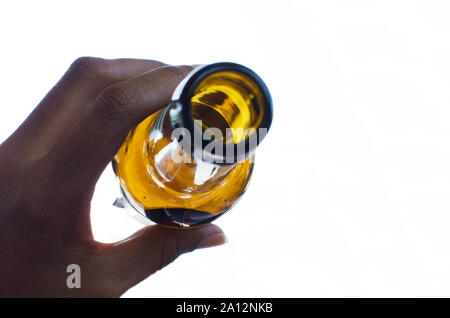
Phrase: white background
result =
(351, 190)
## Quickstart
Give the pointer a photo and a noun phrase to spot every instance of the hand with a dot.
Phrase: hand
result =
(48, 171)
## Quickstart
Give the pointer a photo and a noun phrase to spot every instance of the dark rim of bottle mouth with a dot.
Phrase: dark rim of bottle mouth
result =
(188, 121)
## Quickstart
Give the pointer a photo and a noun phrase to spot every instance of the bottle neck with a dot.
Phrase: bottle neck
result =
(171, 163)
(218, 116)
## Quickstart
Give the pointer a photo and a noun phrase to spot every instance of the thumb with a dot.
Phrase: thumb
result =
(132, 260)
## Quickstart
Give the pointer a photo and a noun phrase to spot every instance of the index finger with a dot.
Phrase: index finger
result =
(64, 105)
(118, 108)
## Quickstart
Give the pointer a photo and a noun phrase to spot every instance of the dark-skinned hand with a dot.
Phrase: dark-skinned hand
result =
(48, 171)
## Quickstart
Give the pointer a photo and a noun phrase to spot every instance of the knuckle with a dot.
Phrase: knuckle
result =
(116, 100)
(169, 253)
(86, 66)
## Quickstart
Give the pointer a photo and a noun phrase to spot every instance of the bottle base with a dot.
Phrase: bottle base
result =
(180, 218)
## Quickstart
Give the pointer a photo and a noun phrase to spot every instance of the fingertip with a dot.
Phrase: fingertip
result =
(213, 240)
(211, 235)
(209, 227)
(202, 236)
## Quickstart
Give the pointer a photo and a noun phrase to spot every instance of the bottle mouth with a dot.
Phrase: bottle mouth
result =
(226, 109)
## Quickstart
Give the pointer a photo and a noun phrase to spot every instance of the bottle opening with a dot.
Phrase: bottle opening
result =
(229, 101)
(229, 107)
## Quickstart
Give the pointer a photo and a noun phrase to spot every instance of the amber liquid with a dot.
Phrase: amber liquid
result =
(189, 193)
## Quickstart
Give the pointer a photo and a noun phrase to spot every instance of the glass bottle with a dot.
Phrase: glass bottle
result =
(190, 162)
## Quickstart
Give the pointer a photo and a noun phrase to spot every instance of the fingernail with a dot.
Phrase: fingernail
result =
(213, 240)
